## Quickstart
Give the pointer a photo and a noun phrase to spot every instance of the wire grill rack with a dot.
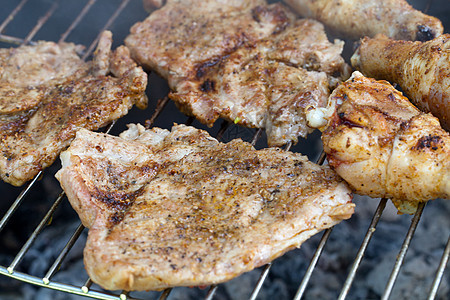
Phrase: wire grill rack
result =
(50, 10)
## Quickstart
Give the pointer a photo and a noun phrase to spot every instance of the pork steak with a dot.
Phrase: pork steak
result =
(178, 208)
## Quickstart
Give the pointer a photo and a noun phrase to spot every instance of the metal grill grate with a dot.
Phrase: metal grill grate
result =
(86, 289)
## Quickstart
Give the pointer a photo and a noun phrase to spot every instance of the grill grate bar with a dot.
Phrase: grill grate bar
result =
(440, 272)
(362, 249)
(288, 146)
(110, 126)
(53, 269)
(86, 286)
(12, 15)
(427, 7)
(60, 286)
(312, 265)
(106, 26)
(12, 39)
(17, 202)
(124, 295)
(321, 158)
(34, 235)
(212, 290)
(401, 256)
(260, 282)
(165, 294)
(77, 20)
(41, 22)
(223, 127)
(256, 136)
(159, 108)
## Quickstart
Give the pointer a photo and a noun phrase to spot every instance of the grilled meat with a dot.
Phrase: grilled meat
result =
(385, 147)
(181, 209)
(150, 5)
(248, 62)
(420, 69)
(47, 93)
(358, 18)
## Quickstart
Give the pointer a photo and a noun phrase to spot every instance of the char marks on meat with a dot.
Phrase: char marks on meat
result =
(47, 93)
(383, 146)
(248, 62)
(178, 208)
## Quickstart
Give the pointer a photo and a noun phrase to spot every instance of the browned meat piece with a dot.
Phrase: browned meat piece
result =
(176, 39)
(31, 66)
(248, 62)
(384, 147)
(420, 69)
(181, 209)
(150, 5)
(47, 93)
(358, 18)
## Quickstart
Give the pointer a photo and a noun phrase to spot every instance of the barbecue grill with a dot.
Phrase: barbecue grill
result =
(26, 21)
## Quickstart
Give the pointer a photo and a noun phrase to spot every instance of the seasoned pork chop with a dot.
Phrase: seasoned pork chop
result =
(181, 209)
(176, 39)
(47, 93)
(245, 61)
(383, 146)
(31, 66)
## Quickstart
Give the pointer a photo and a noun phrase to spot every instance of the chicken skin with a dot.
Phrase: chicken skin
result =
(358, 18)
(420, 69)
(383, 146)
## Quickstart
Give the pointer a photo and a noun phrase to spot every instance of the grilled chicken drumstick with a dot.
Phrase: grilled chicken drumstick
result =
(385, 147)
(358, 18)
(420, 69)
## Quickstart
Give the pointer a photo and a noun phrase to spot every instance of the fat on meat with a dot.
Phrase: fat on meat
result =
(383, 146)
(47, 93)
(247, 62)
(178, 208)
